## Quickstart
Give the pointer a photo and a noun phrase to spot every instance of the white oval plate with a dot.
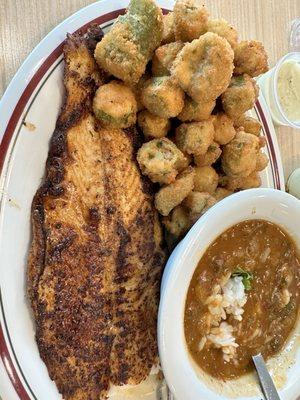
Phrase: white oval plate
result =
(35, 96)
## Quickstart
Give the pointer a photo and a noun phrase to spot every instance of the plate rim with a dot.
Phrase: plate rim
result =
(18, 93)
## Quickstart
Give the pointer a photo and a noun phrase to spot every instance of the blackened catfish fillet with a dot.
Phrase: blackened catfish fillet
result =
(96, 257)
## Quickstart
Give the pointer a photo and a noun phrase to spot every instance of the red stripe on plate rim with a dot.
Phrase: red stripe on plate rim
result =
(9, 131)
(9, 366)
(275, 170)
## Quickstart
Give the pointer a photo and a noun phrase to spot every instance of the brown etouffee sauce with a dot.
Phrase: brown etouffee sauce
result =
(266, 251)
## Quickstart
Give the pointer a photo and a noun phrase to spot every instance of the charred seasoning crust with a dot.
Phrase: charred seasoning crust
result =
(58, 153)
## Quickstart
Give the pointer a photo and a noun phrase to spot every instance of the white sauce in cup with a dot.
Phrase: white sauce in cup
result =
(288, 85)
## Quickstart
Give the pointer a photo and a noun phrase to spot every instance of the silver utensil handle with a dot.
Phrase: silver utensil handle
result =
(267, 384)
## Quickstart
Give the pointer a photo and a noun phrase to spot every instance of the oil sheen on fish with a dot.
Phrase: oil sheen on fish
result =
(96, 255)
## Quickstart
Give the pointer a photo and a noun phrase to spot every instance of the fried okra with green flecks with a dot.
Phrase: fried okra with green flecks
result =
(195, 137)
(193, 111)
(240, 96)
(239, 157)
(206, 179)
(210, 157)
(222, 28)
(177, 222)
(126, 49)
(248, 124)
(164, 57)
(162, 97)
(197, 203)
(190, 19)
(250, 58)
(168, 35)
(203, 68)
(170, 196)
(152, 125)
(224, 129)
(161, 160)
(114, 105)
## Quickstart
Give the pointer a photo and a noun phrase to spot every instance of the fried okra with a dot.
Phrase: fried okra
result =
(224, 129)
(195, 137)
(177, 222)
(221, 193)
(114, 105)
(213, 153)
(262, 161)
(223, 28)
(162, 97)
(161, 160)
(126, 49)
(239, 157)
(241, 183)
(248, 124)
(250, 58)
(203, 68)
(206, 179)
(240, 96)
(197, 203)
(168, 35)
(190, 19)
(193, 111)
(173, 194)
(164, 57)
(152, 125)
(137, 88)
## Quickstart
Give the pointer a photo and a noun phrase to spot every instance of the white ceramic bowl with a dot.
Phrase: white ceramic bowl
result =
(184, 380)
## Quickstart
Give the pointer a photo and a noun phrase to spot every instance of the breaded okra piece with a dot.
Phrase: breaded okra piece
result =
(162, 97)
(206, 179)
(128, 46)
(249, 124)
(213, 153)
(177, 222)
(193, 111)
(161, 160)
(240, 96)
(222, 28)
(239, 157)
(152, 125)
(190, 19)
(195, 137)
(224, 129)
(203, 68)
(114, 105)
(164, 57)
(168, 28)
(170, 196)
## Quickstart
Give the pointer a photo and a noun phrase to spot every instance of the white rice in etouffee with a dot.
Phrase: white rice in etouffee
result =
(226, 299)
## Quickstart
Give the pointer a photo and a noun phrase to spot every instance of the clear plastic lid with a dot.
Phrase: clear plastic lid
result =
(295, 35)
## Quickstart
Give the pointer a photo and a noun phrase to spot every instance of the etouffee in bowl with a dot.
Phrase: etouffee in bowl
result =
(231, 290)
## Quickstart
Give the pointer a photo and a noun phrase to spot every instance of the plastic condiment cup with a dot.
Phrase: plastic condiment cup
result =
(268, 84)
(293, 183)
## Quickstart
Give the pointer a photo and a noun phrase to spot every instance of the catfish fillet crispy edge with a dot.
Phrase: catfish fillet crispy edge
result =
(96, 258)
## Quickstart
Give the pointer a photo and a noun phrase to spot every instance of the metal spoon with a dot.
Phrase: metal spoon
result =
(267, 384)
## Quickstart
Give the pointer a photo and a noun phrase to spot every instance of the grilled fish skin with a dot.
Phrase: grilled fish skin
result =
(96, 256)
